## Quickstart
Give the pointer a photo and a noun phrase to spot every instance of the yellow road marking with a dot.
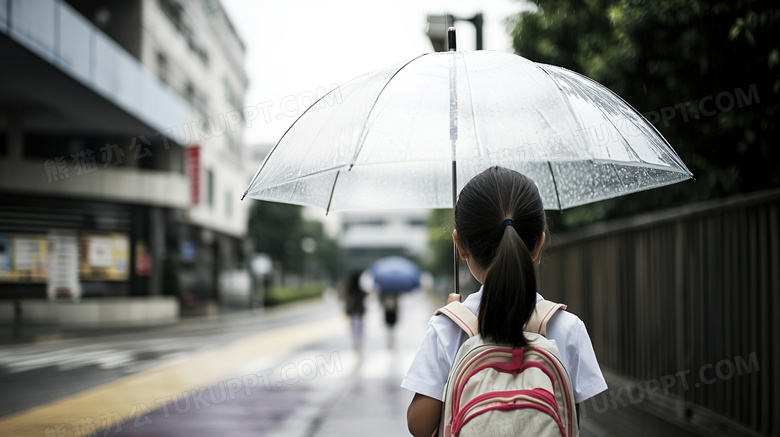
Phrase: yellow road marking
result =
(125, 395)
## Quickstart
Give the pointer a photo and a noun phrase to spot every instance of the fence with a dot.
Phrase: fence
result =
(692, 292)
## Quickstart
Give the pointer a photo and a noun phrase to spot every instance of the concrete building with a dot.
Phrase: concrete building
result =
(369, 235)
(121, 130)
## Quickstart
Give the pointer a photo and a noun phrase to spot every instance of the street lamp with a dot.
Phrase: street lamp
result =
(438, 25)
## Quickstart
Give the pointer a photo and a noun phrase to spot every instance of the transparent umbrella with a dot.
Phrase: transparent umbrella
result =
(410, 136)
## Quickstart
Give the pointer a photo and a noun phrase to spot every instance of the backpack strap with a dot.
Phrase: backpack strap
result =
(467, 321)
(462, 316)
(542, 313)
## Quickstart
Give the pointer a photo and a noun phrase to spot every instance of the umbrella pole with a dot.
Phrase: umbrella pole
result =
(454, 139)
(456, 256)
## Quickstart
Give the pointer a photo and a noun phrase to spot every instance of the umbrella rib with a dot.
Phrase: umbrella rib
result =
(554, 81)
(337, 168)
(604, 115)
(614, 168)
(667, 150)
(473, 112)
(555, 186)
(642, 164)
(306, 176)
(364, 131)
(332, 190)
(267, 157)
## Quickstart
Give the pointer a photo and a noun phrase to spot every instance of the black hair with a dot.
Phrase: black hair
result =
(509, 289)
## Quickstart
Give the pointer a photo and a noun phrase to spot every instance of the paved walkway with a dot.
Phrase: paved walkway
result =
(299, 379)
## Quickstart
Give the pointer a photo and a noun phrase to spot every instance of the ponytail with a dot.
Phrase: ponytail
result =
(509, 294)
(500, 219)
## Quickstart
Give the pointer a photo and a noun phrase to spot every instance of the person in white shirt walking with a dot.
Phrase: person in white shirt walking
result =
(500, 229)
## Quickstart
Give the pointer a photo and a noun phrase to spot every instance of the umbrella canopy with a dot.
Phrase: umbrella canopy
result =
(395, 274)
(391, 138)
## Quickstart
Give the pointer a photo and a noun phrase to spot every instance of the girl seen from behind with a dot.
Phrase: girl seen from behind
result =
(499, 231)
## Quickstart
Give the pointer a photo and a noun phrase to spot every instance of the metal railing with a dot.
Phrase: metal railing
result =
(688, 297)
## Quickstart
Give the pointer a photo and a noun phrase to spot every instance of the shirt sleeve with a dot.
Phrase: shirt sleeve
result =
(430, 367)
(580, 360)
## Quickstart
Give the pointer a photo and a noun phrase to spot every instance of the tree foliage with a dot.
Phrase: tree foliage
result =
(280, 231)
(705, 73)
(328, 259)
(440, 256)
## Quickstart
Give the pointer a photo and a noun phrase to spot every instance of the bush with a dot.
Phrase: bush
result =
(281, 295)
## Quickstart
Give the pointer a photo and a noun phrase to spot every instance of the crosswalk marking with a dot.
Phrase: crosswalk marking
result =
(34, 358)
(149, 387)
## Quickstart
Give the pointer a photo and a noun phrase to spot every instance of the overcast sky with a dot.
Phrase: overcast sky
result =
(298, 49)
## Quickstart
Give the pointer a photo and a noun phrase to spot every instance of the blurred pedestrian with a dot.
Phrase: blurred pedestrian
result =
(390, 305)
(355, 308)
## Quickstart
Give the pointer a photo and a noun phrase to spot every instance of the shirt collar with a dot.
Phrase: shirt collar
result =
(478, 295)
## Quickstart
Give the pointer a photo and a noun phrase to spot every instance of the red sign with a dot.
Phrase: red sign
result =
(193, 171)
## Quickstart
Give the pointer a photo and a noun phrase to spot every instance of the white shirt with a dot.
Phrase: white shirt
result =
(431, 365)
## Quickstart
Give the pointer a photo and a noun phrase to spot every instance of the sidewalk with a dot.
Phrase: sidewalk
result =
(294, 375)
(351, 395)
(373, 403)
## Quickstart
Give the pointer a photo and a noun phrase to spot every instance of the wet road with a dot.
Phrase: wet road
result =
(279, 373)
(289, 372)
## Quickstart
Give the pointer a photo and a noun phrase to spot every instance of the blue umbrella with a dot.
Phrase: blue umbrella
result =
(395, 274)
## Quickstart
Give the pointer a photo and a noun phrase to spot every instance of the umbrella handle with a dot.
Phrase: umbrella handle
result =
(454, 201)
(457, 266)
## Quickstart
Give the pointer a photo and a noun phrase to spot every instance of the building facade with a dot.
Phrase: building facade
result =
(367, 236)
(121, 132)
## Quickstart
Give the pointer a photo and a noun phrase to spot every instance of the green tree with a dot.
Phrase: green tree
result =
(277, 229)
(328, 257)
(280, 230)
(705, 73)
(438, 261)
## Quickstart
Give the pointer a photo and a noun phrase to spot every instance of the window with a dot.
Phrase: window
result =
(415, 222)
(212, 6)
(363, 223)
(230, 96)
(51, 146)
(162, 67)
(174, 10)
(189, 93)
(205, 124)
(210, 187)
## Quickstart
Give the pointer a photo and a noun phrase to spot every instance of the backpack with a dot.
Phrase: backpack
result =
(495, 390)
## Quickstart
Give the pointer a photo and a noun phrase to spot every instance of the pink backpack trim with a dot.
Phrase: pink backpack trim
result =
(543, 323)
(537, 399)
(561, 372)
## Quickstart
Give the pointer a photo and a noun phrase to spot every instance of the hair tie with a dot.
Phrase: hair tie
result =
(507, 222)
